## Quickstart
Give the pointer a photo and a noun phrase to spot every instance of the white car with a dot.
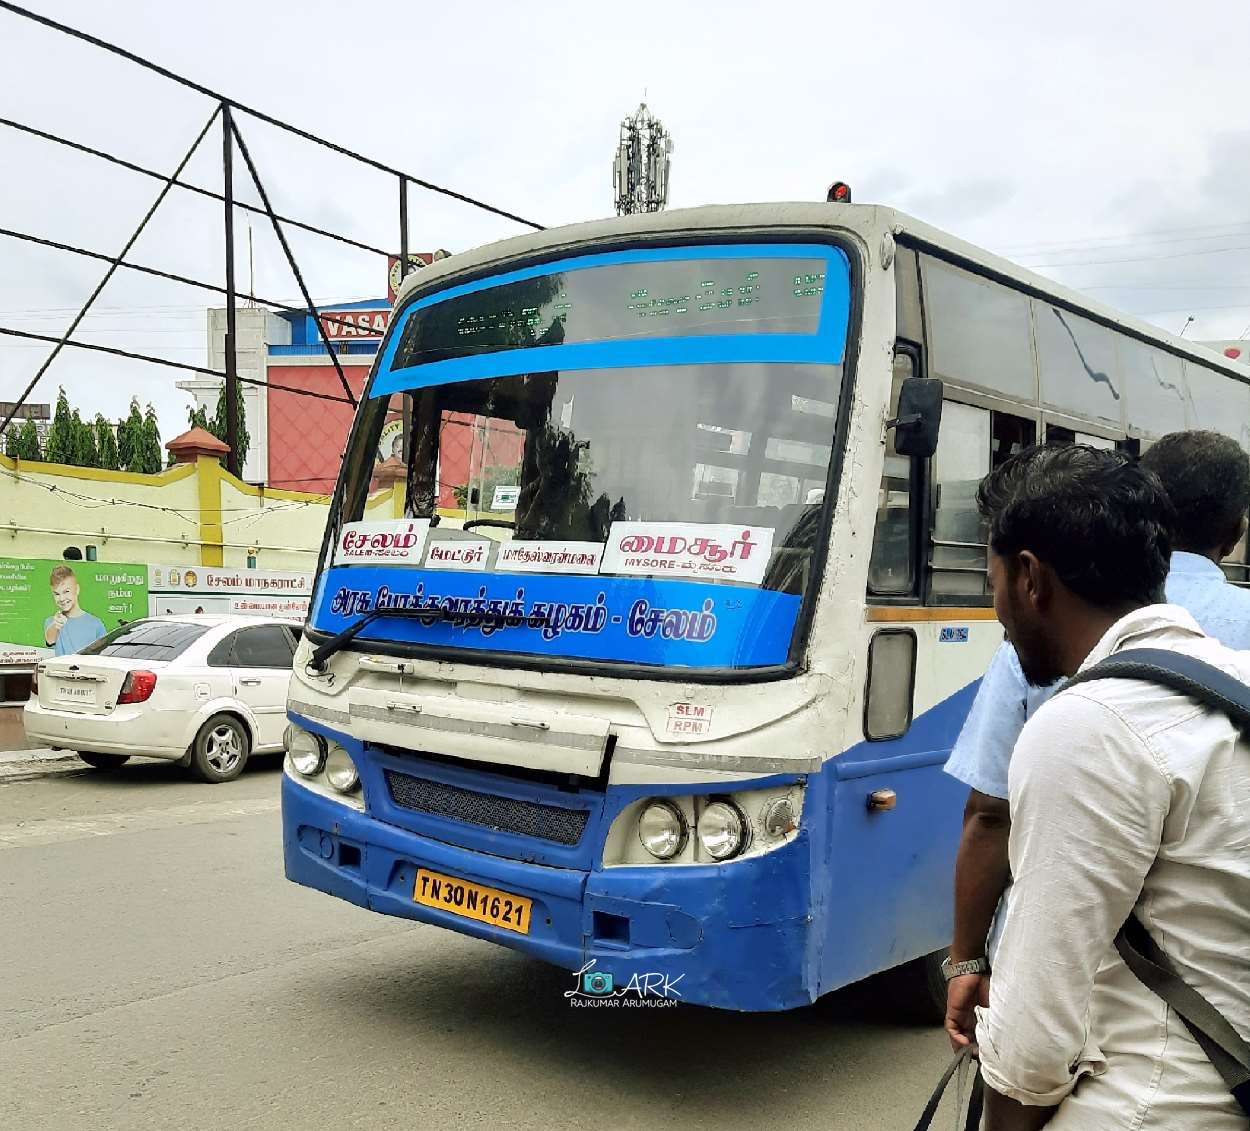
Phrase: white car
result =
(205, 691)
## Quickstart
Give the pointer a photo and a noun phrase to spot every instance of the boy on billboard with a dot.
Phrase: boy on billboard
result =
(71, 629)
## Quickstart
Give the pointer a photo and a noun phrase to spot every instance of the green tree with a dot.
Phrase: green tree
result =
(28, 441)
(130, 438)
(11, 442)
(198, 418)
(150, 443)
(83, 451)
(218, 425)
(105, 443)
(60, 445)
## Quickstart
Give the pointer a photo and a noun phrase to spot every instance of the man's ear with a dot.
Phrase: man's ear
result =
(1225, 551)
(1036, 579)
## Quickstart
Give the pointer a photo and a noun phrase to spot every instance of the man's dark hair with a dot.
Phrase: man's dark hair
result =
(1098, 518)
(1207, 477)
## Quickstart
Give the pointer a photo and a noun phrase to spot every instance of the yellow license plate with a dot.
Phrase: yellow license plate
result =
(473, 901)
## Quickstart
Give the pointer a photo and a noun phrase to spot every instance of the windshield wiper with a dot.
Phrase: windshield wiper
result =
(317, 661)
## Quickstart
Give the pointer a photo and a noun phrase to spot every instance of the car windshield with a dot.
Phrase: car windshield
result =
(665, 509)
(147, 640)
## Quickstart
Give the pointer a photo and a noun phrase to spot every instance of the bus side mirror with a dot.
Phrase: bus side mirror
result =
(919, 417)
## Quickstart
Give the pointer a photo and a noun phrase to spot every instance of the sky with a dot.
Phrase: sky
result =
(1103, 144)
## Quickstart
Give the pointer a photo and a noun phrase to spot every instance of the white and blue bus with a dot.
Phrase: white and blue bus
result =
(661, 676)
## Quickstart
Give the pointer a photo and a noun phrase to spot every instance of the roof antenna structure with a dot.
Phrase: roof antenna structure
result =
(641, 168)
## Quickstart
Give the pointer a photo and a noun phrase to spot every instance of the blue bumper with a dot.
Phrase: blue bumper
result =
(737, 936)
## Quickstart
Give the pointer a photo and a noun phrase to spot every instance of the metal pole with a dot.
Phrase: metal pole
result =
(290, 258)
(403, 229)
(232, 367)
(403, 270)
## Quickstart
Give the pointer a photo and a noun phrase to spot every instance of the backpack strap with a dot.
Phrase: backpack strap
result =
(1218, 1039)
(1187, 674)
(1221, 692)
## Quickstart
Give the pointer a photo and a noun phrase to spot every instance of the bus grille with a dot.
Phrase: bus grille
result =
(503, 814)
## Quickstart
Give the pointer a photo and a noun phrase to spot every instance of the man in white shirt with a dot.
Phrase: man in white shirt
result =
(1207, 478)
(1125, 797)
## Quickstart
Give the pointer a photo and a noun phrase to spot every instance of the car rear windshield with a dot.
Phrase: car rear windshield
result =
(147, 640)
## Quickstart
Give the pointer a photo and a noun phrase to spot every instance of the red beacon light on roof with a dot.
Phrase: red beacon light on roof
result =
(839, 193)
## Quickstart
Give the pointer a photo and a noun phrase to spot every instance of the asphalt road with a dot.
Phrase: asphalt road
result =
(161, 973)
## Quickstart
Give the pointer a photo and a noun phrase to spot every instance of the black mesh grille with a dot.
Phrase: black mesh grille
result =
(503, 814)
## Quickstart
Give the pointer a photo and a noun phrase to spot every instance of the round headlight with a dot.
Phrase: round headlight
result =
(341, 770)
(307, 751)
(662, 829)
(722, 830)
(779, 818)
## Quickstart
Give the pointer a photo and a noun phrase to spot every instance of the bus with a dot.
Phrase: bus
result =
(654, 671)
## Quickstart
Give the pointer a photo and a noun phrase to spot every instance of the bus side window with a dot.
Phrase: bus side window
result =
(973, 442)
(961, 462)
(891, 569)
(891, 681)
(1010, 434)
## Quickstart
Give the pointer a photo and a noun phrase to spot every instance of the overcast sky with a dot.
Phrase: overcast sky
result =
(1105, 144)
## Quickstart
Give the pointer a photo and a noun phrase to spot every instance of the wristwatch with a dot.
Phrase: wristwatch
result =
(958, 969)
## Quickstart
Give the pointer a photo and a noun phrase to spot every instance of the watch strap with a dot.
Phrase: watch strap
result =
(952, 970)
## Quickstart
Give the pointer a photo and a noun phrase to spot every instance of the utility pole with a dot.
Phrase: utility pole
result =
(232, 368)
(641, 167)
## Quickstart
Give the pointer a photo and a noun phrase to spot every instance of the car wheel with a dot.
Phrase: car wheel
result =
(103, 761)
(220, 750)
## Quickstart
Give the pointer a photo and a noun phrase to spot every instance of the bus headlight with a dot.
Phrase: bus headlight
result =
(662, 830)
(341, 770)
(307, 750)
(722, 830)
(779, 818)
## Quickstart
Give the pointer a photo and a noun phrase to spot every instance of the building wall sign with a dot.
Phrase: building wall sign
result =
(352, 325)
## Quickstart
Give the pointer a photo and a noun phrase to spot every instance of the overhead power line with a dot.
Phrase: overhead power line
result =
(259, 115)
(112, 268)
(134, 168)
(1137, 259)
(1148, 236)
(10, 332)
(172, 276)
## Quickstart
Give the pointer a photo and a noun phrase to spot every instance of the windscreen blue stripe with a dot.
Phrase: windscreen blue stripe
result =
(827, 346)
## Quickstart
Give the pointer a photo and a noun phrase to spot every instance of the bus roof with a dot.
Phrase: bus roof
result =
(869, 221)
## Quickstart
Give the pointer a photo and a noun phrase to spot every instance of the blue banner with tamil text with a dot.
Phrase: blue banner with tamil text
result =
(662, 623)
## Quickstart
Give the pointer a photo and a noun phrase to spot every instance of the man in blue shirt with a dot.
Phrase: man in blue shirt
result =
(1207, 477)
(70, 629)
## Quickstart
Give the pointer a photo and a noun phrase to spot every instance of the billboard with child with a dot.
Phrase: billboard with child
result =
(52, 607)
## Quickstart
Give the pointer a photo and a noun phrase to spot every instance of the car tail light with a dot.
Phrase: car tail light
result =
(137, 688)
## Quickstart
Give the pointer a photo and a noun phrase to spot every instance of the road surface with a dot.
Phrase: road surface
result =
(161, 973)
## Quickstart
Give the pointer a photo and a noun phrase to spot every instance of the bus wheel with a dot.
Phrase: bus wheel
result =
(917, 989)
(103, 761)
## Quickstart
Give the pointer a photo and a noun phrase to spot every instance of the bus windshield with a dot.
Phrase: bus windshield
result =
(625, 462)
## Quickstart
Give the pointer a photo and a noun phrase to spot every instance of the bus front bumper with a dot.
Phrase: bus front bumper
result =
(736, 936)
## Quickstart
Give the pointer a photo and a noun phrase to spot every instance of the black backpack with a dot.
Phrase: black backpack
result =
(1218, 1039)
